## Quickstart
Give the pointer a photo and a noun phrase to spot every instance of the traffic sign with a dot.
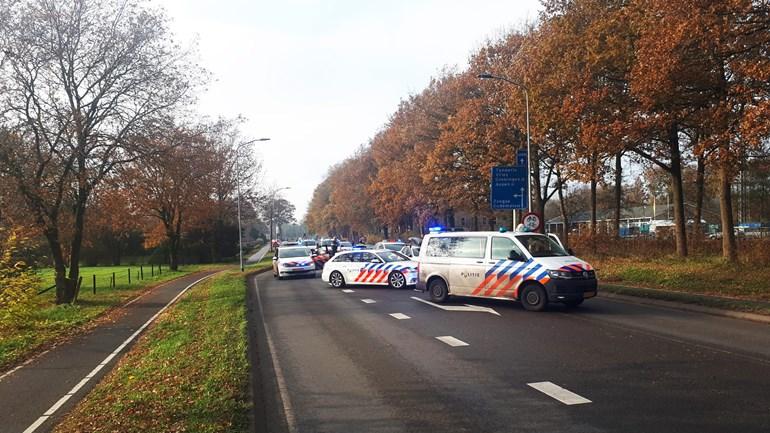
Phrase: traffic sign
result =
(521, 157)
(509, 188)
(531, 221)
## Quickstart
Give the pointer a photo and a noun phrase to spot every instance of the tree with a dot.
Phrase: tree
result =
(80, 81)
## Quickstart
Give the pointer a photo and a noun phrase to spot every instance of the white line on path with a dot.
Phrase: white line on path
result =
(466, 307)
(555, 391)
(283, 389)
(400, 316)
(347, 291)
(114, 353)
(454, 342)
(368, 301)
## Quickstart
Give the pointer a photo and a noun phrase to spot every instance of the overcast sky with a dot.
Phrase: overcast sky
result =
(321, 77)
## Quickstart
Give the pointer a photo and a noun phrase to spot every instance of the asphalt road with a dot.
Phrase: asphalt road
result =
(35, 396)
(333, 361)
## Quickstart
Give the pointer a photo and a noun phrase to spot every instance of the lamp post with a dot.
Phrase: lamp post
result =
(272, 208)
(238, 199)
(488, 76)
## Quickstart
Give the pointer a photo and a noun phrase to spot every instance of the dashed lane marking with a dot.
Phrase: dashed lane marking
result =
(368, 301)
(347, 291)
(454, 342)
(555, 391)
(400, 316)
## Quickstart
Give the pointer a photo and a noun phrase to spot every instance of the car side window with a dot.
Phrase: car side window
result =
(501, 248)
(368, 257)
(342, 258)
(456, 246)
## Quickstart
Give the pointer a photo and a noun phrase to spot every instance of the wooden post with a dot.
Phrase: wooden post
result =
(94, 282)
(141, 272)
(129, 276)
(152, 270)
(160, 269)
(114, 283)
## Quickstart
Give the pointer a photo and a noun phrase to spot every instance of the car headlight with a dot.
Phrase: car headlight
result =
(559, 274)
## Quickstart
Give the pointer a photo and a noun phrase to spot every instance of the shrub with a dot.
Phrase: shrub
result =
(18, 282)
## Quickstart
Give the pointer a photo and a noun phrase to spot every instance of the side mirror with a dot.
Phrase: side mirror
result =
(275, 258)
(515, 256)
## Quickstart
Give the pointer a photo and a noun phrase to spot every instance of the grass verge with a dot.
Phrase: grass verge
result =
(189, 372)
(706, 281)
(50, 322)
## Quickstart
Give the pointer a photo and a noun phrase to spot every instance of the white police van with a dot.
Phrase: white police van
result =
(528, 267)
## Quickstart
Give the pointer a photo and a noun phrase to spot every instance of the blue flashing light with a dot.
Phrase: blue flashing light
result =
(503, 229)
(436, 229)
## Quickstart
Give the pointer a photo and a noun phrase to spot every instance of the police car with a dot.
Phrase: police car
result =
(291, 261)
(377, 267)
(528, 267)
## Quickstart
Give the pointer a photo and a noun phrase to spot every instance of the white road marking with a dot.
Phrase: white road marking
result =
(400, 316)
(467, 307)
(93, 372)
(283, 389)
(555, 391)
(454, 342)
(368, 301)
(347, 291)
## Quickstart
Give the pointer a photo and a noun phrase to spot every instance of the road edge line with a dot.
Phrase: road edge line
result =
(283, 390)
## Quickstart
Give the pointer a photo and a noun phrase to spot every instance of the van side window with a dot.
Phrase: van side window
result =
(501, 248)
(455, 246)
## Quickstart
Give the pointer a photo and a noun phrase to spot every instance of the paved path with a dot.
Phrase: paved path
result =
(377, 360)
(254, 258)
(35, 396)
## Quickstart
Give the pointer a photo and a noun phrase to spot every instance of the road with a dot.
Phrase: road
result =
(370, 360)
(35, 396)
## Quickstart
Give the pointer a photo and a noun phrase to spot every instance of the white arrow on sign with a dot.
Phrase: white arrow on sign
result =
(467, 307)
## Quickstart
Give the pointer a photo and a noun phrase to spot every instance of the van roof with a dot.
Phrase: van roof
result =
(487, 233)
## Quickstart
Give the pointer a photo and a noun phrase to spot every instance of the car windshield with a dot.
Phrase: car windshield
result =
(390, 256)
(309, 243)
(284, 253)
(345, 244)
(393, 247)
(541, 246)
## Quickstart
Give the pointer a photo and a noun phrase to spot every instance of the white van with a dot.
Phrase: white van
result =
(529, 267)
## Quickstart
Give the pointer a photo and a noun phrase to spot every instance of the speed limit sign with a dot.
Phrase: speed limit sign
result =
(531, 221)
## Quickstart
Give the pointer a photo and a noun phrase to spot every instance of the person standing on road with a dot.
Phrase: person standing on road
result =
(335, 245)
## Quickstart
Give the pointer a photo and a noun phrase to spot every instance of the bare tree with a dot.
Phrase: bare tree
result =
(79, 81)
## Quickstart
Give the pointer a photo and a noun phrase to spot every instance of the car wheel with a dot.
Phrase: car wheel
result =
(396, 280)
(573, 303)
(534, 298)
(438, 291)
(336, 280)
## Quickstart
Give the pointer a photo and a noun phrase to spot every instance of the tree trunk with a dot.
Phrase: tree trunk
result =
(475, 222)
(77, 240)
(173, 251)
(618, 193)
(538, 198)
(65, 289)
(680, 229)
(593, 200)
(729, 247)
(700, 176)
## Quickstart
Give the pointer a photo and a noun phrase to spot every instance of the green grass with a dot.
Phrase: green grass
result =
(50, 322)
(189, 372)
(707, 281)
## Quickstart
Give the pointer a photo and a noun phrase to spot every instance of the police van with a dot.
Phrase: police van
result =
(532, 268)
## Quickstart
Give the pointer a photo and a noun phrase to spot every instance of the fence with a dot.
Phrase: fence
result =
(129, 276)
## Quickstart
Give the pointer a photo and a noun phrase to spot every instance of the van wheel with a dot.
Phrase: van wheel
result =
(337, 280)
(437, 290)
(534, 298)
(396, 280)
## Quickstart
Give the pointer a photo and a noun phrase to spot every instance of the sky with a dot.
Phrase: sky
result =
(321, 77)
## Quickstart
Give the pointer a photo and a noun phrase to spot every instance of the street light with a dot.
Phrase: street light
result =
(238, 186)
(488, 76)
(272, 207)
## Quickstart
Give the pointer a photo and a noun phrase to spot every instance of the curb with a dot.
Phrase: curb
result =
(760, 318)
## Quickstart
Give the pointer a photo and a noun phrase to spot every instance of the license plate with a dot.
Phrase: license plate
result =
(589, 294)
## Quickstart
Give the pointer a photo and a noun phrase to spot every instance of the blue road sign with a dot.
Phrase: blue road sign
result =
(521, 157)
(509, 188)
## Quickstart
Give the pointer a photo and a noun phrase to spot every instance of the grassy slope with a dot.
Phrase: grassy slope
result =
(50, 322)
(189, 372)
